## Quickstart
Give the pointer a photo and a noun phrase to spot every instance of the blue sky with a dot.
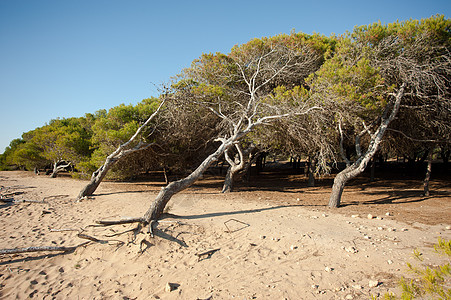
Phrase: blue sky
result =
(67, 58)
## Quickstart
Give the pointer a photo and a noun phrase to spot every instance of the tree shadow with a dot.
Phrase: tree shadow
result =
(120, 192)
(161, 234)
(399, 197)
(239, 212)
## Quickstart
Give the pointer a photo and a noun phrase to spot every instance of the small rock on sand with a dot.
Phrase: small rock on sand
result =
(373, 283)
(170, 287)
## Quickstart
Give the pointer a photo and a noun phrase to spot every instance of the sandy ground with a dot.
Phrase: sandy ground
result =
(275, 242)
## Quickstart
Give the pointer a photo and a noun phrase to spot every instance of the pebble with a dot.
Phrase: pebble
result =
(448, 227)
(357, 287)
(370, 216)
(327, 269)
(389, 262)
(293, 247)
(373, 283)
(354, 216)
(351, 249)
(169, 287)
(404, 229)
(387, 214)
(349, 297)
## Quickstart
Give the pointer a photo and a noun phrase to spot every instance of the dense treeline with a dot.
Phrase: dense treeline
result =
(379, 90)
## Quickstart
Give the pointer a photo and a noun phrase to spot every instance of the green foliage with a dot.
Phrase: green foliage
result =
(350, 77)
(429, 282)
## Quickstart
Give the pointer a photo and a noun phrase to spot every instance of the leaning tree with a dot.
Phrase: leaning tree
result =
(376, 70)
(136, 143)
(240, 102)
(282, 92)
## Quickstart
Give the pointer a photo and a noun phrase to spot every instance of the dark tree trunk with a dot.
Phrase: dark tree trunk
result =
(428, 174)
(445, 154)
(311, 172)
(373, 169)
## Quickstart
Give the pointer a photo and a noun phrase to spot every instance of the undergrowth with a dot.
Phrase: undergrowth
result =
(428, 282)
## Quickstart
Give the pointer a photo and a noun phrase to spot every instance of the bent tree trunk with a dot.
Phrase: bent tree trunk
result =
(242, 161)
(360, 164)
(96, 178)
(236, 165)
(228, 181)
(166, 193)
(119, 153)
(57, 167)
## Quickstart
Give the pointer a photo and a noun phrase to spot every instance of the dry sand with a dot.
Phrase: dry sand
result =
(272, 244)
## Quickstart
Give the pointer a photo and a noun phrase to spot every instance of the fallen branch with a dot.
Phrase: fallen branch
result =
(12, 200)
(41, 249)
(118, 222)
(11, 194)
(208, 254)
(88, 237)
(65, 229)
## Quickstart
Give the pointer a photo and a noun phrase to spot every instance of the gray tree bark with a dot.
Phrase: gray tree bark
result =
(235, 165)
(121, 151)
(362, 161)
(58, 168)
(166, 193)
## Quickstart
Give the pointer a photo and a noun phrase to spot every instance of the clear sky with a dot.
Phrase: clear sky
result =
(67, 58)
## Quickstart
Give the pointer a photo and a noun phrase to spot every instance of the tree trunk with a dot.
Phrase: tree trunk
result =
(445, 154)
(166, 193)
(96, 178)
(236, 165)
(373, 168)
(311, 174)
(57, 167)
(228, 181)
(428, 174)
(55, 170)
(166, 177)
(337, 188)
(120, 152)
(360, 164)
